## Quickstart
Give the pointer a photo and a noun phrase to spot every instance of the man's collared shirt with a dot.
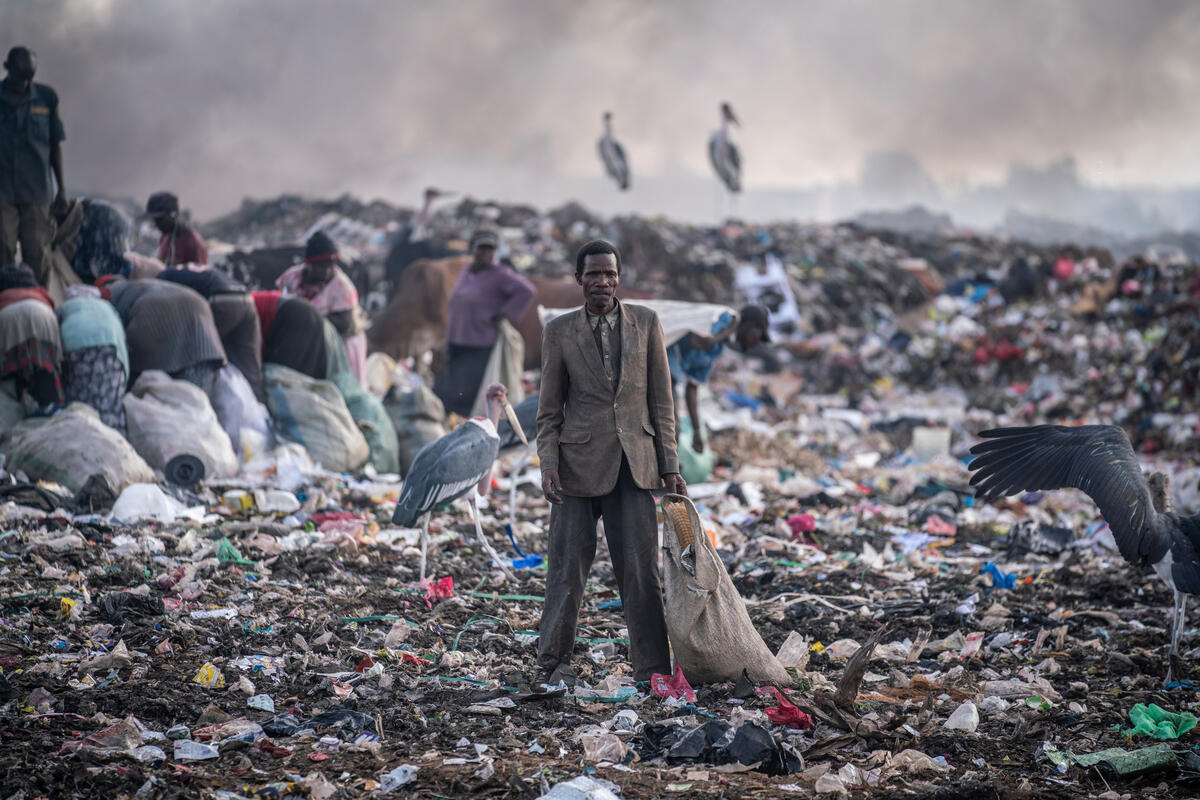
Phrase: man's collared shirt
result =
(607, 330)
(27, 130)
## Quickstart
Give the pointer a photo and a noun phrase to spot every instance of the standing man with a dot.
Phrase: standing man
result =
(180, 244)
(606, 437)
(31, 136)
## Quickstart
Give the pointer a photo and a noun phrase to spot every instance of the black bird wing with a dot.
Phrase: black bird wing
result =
(1097, 459)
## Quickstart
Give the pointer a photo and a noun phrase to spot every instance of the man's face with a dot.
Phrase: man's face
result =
(22, 67)
(165, 223)
(599, 281)
(318, 272)
(749, 337)
(484, 254)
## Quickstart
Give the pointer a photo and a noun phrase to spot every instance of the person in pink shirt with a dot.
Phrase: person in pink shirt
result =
(321, 281)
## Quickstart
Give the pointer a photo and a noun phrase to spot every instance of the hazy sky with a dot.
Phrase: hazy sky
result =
(220, 99)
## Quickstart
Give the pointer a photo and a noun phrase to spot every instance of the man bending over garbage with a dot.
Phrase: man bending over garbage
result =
(606, 438)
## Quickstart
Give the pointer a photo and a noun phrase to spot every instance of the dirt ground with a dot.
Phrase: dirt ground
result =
(1104, 630)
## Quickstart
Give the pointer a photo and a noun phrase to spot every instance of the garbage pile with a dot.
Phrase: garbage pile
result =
(263, 633)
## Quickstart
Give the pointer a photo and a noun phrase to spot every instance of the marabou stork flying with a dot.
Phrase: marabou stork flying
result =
(447, 468)
(613, 155)
(723, 153)
(1099, 460)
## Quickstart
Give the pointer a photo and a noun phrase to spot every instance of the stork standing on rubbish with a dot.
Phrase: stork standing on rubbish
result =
(723, 153)
(1099, 460)
(613, 155)
(446, 469)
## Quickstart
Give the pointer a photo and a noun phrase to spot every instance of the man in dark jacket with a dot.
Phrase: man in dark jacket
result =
(31, 164)
(606, 438)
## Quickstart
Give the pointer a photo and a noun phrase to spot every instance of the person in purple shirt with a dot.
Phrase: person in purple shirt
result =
(485, 293)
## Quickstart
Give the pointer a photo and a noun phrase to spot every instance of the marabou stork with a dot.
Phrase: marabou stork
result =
(723, 153)
(1099, 460)
(447, 468)
(613, 155)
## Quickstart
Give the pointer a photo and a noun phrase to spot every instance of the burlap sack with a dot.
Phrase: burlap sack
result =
(710, 631)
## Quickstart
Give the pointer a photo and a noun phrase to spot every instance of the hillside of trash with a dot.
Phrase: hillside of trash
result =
(263, 634)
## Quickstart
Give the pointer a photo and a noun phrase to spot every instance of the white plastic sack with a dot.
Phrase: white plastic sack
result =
(312, 413)
(710, 630)
(72, 446)
(238, 410)
(677, 317)
(146, 501)
(165, 418)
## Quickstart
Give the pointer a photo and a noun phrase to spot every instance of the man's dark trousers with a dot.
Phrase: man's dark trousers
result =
(631, 528)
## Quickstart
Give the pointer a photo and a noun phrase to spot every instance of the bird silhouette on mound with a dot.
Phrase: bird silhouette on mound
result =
(1099, 461)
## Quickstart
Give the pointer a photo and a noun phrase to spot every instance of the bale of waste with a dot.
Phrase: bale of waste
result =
(313, 414)
(72, 446)
(707, 622)
(373, 420)
(165, 418)
(417, 416)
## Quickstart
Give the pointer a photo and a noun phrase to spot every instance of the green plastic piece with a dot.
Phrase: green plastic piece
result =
(1151, 720)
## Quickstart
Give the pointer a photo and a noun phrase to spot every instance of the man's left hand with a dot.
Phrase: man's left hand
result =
(675, 484)
(60, 205)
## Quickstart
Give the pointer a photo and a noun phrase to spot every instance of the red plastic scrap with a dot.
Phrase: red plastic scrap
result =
(364, 664)
(439, 590)
(411, 658)
(673, 685)
(786, 713)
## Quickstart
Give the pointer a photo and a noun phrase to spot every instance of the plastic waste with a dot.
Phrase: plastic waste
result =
(675, 685)
(965, 718)
(146, 501)
(583, 788)
(188, 750)
(1158, 723)
(397, 777)
(786, 713)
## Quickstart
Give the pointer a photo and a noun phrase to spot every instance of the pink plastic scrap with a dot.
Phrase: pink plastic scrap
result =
(439, 590)
(939, 527)
(673, 685)
(801, 524)
(786, 713)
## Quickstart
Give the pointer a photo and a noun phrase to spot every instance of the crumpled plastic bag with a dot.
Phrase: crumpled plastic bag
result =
(786, 713)
(675, 685)
(1151, 720)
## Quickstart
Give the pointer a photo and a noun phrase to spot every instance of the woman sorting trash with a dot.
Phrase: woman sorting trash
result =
(95, 358)
(30, 345)
(167, 327)
(321, 281)
(485, 293)
(294, 335)
(234, 315)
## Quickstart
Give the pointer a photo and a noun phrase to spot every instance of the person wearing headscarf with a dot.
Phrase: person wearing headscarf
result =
(102, 242)
(322, 281)
(234, 314)
(168, 327)
(95, 358)
(486, 292)
(295, 334)
(30, 345)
